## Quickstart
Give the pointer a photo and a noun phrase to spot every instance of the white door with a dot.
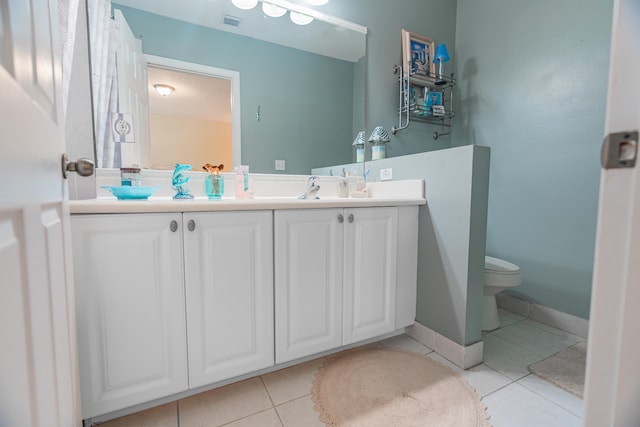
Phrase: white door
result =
(38, 361)
(369, 273)
(229, 289)
(613, 377)
(131, 315)
(133, 96)
(308, 275)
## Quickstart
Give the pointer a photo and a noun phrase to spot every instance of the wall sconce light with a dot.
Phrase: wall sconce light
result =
(441, 56)
(359, 144)
(245, 4)
(164, 90)
(378, 138)
(277, 8)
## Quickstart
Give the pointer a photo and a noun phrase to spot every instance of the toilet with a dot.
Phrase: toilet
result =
(498, 276)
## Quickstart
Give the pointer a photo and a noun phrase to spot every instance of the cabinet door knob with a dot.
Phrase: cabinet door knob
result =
(173, 226)
(191, 225)
(350, 217)
(340, 218)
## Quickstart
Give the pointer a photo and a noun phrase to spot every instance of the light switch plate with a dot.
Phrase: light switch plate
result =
(386, 174)
(280, 165)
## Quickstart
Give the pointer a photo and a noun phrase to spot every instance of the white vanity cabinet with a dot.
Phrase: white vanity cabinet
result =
(170, 302)
(309, 248)
(130, 309)
(133, 281)
(340, 278)
(229, 293)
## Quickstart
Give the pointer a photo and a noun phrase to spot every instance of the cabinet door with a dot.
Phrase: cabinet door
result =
(369, 273)
(130, 309)
(229, 286)
(308, 272)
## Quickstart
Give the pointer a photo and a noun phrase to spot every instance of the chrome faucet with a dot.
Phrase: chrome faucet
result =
(312, 189)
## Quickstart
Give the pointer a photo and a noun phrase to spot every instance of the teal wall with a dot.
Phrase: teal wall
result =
(307, 112)
(532, 80)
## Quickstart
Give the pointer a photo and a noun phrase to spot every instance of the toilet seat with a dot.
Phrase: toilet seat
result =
(499, 266)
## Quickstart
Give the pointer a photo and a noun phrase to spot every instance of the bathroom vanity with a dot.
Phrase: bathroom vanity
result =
(178, 297)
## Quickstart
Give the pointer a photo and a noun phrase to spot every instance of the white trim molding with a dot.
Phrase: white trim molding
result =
(549, 316)
(464, 357)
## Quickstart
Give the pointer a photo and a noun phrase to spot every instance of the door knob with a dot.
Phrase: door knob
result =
(83, 167)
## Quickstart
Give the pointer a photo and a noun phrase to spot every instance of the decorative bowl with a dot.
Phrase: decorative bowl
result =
(127, 192)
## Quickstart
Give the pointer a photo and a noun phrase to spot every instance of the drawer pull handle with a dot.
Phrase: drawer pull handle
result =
(340, 218)
(191, 225)
(173, 226)
(350, 217)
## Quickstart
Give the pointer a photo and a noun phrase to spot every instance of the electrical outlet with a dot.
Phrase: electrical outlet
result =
(279, 165)
(386, 174)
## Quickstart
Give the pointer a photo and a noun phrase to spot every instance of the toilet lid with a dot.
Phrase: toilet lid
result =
(500, 266)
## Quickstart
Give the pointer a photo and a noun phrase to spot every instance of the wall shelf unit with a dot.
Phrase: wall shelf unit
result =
(425, 99)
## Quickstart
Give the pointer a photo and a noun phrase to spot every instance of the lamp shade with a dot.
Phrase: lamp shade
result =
(379, 135)
(300, 18)
(359, 139)
(441, 55)
(272, 10)
(245, 4)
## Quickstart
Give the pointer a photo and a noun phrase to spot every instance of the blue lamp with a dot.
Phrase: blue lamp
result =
(378, 138)
(441, 56)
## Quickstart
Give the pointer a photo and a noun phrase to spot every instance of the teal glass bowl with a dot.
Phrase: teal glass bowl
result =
(126, 192)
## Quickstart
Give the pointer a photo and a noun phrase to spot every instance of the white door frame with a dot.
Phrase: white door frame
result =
(613, 377)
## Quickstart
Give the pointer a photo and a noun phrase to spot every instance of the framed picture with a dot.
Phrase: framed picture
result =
(417, 56)
(435, 98)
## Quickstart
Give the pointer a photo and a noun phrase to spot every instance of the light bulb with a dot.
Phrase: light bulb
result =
(272, 10)
(245, 4)
(164, 90)
(300, 18)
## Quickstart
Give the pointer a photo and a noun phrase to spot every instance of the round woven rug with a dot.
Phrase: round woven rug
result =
(376, 386)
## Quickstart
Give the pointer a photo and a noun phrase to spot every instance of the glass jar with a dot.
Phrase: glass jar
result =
(130, 177)
(214, 187)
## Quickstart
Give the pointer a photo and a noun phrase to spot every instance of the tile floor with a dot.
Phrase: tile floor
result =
(513, 396)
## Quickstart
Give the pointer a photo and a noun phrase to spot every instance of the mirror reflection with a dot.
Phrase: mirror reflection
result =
(293, 105)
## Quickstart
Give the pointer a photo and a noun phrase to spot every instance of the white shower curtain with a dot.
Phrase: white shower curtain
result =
(103, 39)
(67, 23)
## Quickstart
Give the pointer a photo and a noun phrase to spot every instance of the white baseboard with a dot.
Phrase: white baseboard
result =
(549, 316)
(464, 357)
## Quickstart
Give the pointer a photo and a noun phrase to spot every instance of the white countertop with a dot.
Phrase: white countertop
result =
(390, 193)
(165, 204)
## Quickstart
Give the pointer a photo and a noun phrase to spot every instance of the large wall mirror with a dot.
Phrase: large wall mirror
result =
(297, 93)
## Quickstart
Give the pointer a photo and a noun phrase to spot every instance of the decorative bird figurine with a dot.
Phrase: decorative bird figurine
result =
(178, 182)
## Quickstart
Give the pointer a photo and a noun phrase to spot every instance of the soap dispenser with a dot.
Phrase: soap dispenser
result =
(343, 191)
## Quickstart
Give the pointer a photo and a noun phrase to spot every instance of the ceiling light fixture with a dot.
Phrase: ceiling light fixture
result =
(300, 18)
(245, 4)
(317, 2)
(272, 10)
(164, 90)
